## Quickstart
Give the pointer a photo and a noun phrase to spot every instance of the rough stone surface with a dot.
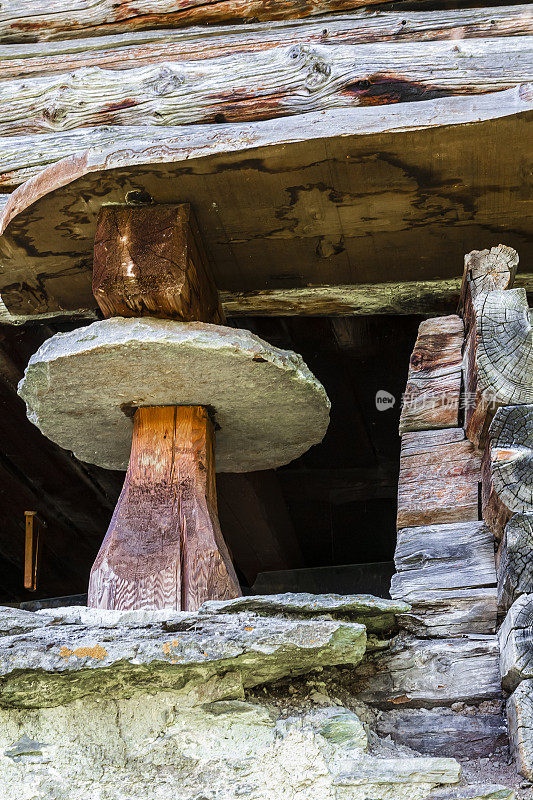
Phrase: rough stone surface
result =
(377, 614)
(80, 388)
(180, 746)
(144, 705)
(78, 652)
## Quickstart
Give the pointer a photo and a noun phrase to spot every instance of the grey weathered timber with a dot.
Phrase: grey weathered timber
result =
(516, 643)
(451, 612)
(273, 228)
(515, 566)
(430, 672)
(431, 398)
(120, 50)
(508, 466)
(446, 573)
(35, 20)
(498, 363)
(23, 157)
(520, 720)
(263, 399)
(267, 83)
(474, 734)
(77, 651)
(439, 477)
(448, 556)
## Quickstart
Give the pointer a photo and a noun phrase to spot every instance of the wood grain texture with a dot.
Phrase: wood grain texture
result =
(515, 564)
(498, 363)
(439, 478)
(274, 223)
(508, 466)
(125, 49)
(31, 19)
(431, 398)
(23, 157)
(447, 574)
(164, 547)
(425, 673)
(151, 262)
(273, 82)
(520, 721)
(516, 643)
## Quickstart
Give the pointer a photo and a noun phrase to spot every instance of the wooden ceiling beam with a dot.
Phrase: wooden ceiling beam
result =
(38, 21)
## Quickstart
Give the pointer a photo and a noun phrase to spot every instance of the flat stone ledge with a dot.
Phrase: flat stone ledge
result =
(376, 613)
(75, 652)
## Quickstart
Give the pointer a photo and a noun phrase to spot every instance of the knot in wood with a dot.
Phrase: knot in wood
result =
(165, 81)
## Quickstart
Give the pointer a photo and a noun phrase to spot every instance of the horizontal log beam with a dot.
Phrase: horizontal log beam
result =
(408, 297)
(277, 82)
(36, 20)
(138, 49)
(24, 157)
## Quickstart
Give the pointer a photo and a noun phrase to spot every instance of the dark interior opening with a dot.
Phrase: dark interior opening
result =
(325, 522)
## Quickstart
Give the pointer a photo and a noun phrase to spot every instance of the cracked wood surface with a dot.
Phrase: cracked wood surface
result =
(279, 81)
(127, 49)
(164, 547)
(23, 157)
(489, 337)
(439, 478)
(432, 394)
(520, 719)
(516, 643)
(515, 563)
(297, 216)
(508, 466)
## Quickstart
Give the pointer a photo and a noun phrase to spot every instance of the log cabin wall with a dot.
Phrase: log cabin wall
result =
(465, 495)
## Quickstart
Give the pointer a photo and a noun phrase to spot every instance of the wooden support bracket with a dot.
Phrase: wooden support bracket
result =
(164, 547)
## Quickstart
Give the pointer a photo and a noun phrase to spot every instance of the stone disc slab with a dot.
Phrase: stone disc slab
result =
(80, 389)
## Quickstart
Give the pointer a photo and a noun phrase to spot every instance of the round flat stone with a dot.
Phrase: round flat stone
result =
(81, 388)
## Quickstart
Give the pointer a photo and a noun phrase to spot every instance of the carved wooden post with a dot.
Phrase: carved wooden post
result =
(164, 546)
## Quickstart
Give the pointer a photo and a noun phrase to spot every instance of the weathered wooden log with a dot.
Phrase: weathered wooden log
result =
(507, 472)
(272, 83)
(127, 48)
(516, 643)
(22, 157)
(439, 478)
(446, 613)
(498, 352)
(431, 398)
(446, 573)
(515, 565)
(454, 556)
(164, 547)
(520, 721)
(38, 21)
(424, 673)
(472, 732)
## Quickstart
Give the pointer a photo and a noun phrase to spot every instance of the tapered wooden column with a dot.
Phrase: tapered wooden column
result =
(164, 547)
